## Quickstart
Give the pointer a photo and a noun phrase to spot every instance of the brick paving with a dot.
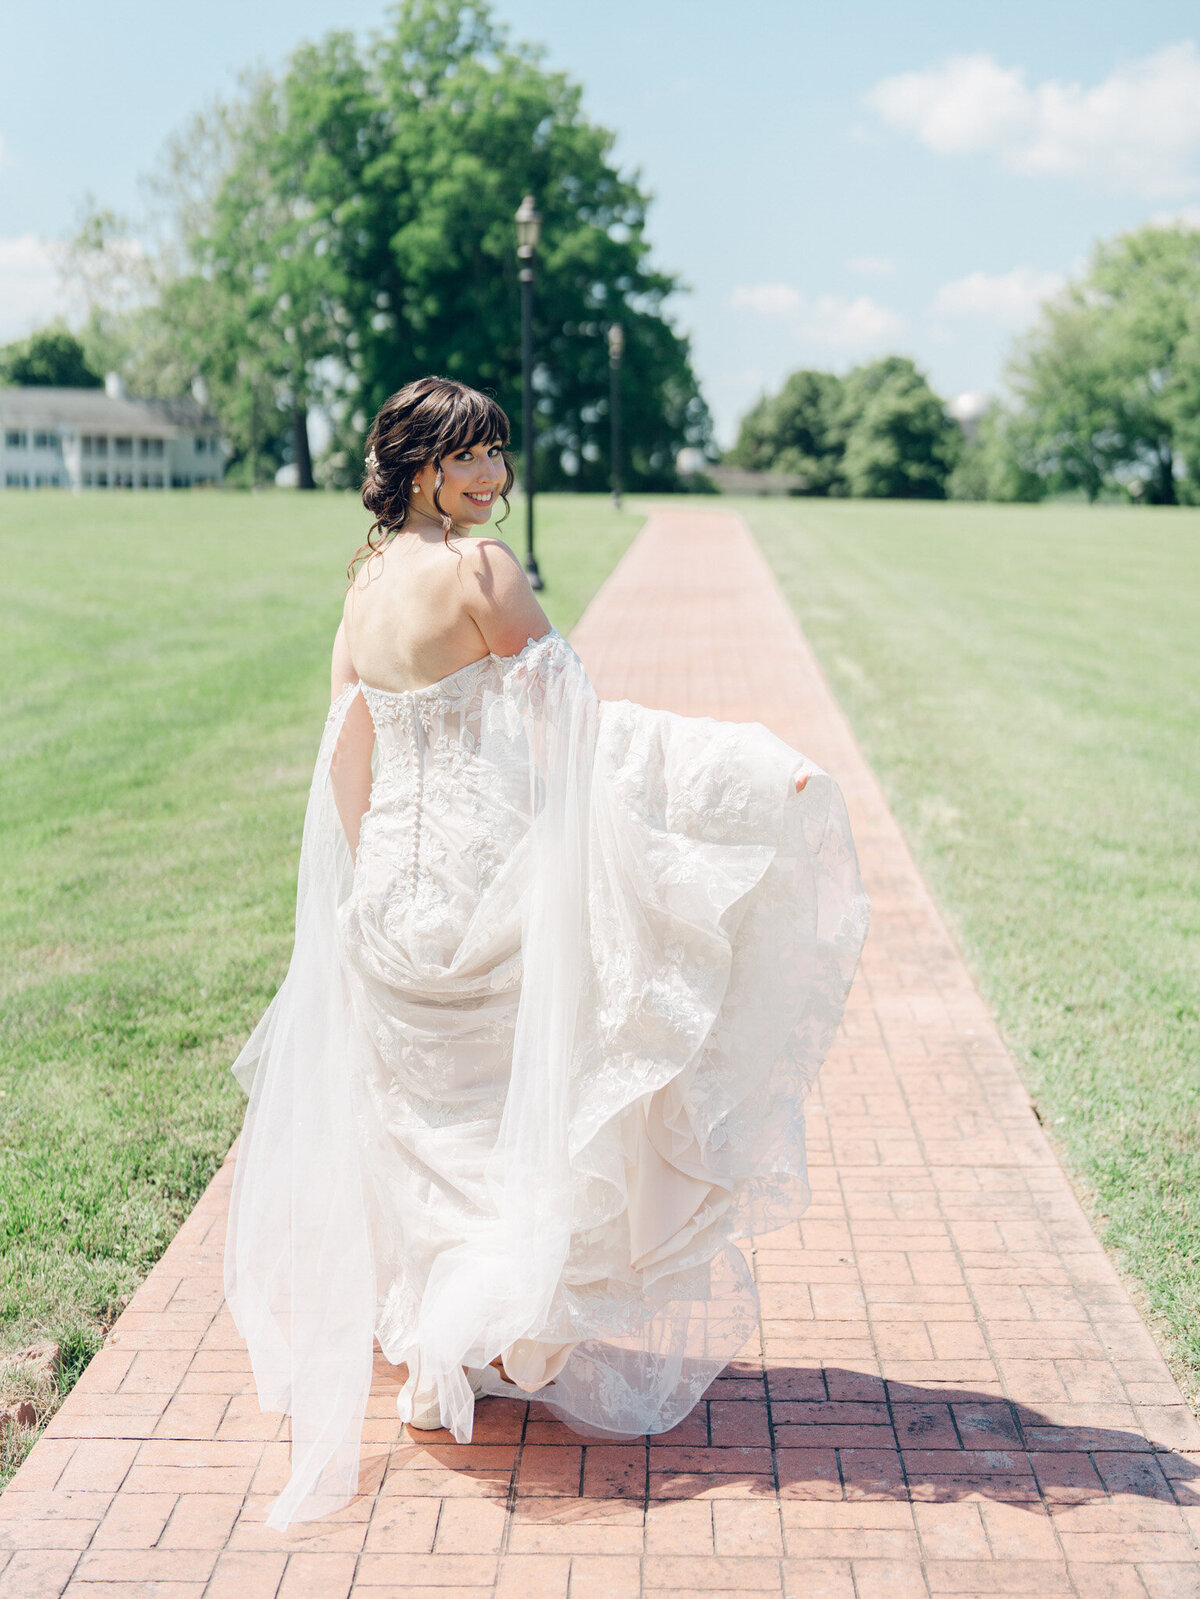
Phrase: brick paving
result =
(951, 1393)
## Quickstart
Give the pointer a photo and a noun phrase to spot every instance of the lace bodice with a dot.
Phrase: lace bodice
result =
(443, 818)
(429, 706)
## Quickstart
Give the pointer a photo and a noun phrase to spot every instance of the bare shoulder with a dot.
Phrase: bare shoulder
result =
(487, 552)
(498, 596)
(490, 566)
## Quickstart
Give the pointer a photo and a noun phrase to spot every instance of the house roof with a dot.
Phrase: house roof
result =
(94, 411)
(185, 413)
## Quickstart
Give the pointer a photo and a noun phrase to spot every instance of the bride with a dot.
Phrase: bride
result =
(564, 971)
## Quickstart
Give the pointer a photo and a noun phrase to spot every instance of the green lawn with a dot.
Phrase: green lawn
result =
(1026, 682)
(165, 664)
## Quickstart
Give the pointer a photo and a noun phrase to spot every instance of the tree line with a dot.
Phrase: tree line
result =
(1103, 399)
(880, 432)
(347, 224)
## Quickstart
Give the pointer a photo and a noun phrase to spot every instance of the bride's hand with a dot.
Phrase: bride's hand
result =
(800, 781)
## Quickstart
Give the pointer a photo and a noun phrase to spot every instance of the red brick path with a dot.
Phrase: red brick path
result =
(953, 1394)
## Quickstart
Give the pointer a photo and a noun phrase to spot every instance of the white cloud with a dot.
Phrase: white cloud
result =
(829, 319)
(1138, 129)
(851, 324)
(871, 266)
(968, 103)
(31, 291)
(1008, 298)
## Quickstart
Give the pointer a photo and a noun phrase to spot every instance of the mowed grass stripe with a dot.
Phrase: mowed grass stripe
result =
(1026, 682)
(165, 664)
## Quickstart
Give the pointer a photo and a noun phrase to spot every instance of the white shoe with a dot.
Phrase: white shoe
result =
(427, 1413)
(427, 1410)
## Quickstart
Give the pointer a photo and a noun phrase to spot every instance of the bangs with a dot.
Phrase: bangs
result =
(473, 418)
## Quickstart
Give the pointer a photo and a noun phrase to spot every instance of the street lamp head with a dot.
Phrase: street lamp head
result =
(616, 341)
(529, 227)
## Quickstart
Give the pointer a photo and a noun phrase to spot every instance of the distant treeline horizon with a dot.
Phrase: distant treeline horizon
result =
(1103, 400)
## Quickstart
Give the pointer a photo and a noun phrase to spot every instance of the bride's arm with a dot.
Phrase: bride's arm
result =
(350, 767)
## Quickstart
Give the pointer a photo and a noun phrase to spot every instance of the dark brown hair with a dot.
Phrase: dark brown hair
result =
(422, 422)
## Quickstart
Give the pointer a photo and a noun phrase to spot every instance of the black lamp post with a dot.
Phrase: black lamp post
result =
(529, 228)
(616, 349)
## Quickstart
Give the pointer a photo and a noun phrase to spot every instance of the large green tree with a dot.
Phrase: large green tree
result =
(350, 227)
(1108, 379)
(258, 303)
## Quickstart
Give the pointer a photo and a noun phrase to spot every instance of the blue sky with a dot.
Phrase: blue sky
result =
(831, 182)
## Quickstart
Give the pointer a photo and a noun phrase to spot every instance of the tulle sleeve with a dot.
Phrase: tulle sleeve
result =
(298, 1269)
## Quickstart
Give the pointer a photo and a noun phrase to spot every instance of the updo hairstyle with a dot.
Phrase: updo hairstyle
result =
(424, 421)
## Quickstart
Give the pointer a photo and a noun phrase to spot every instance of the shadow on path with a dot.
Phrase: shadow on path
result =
(804, 1433)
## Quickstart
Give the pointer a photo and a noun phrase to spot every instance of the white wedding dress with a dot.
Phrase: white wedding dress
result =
(538, 1061)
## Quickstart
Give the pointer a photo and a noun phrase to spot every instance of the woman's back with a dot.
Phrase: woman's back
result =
(407, 616)
(425, 605)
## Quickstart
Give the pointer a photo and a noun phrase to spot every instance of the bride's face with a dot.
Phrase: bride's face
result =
(472, 480)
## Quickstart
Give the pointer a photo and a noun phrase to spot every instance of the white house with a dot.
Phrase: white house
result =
(99, 439)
